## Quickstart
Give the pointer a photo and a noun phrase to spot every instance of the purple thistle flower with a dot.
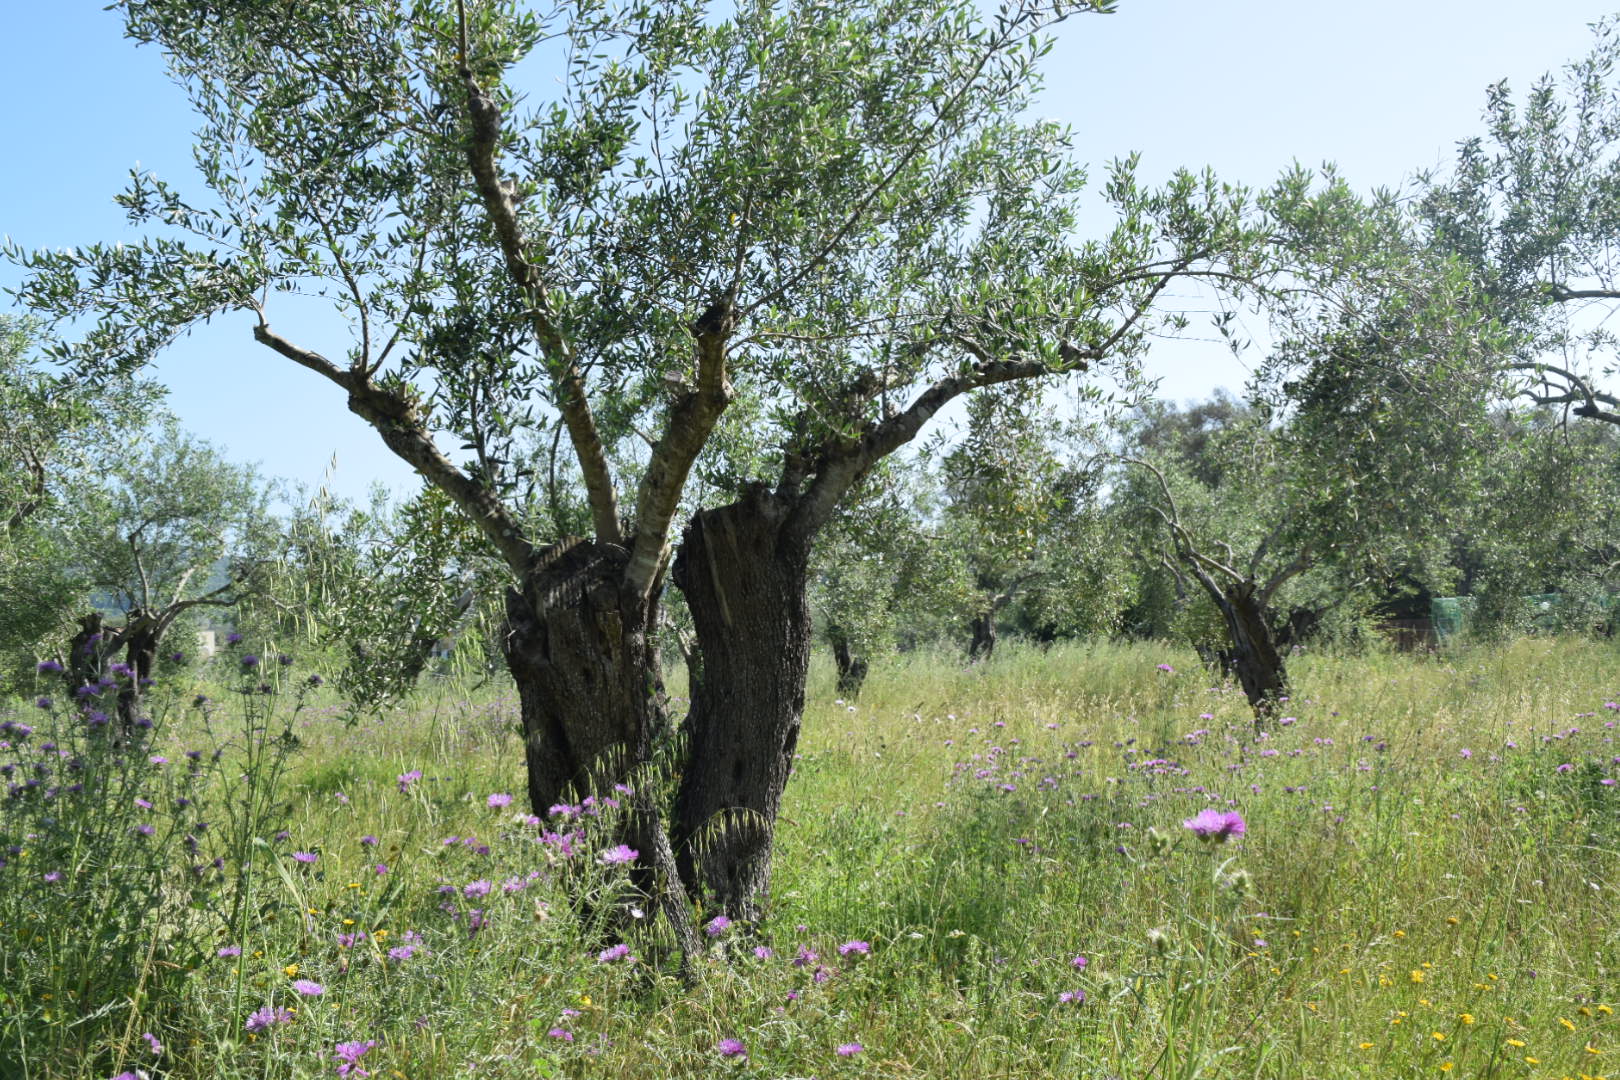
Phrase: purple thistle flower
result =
(561, 1033)
(305, 856)
(1167, 669)
(50, 667)
(53, 876)
(233, 638)
(349, 1054)
(230, 950)
(1077, 997)
(476, 888)
(1079, 963)
(498, 800)
(402, 952)
(43, 703)
(145, 830)
(763, 952)
(347, 941)
(614, 856)
(852, 948)
(620, 951)
(716, 926)
(407, 779)
(308, 987)
(267, 1017)
(1566, 767)
(731, 1048)
(152, 1043)
(849, 1049)
(805, 958)
(1213, 826)
(249, 660)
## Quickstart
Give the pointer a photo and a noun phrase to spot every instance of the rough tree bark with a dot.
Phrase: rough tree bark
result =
(851, 668)
(1253, 656)
(87, 654)
(745, 576)
(141, 636)
(591, 697)
(982, 627)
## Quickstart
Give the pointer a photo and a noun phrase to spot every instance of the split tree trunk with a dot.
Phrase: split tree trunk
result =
(851, 668)
(745, 577)
(591, 696)
(140, 653)
(983, 628)
(87, 654)
(1253, 657)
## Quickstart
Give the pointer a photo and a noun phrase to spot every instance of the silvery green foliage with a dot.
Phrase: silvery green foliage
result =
(1023, 516)
(55, 433)
(379, 591)
(845, 198)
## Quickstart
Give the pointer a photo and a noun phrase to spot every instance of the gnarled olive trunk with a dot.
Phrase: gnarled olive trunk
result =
(983, 628)
(591, 697)
(744, 574)
(851, 668)
(142, 635)
(1253, 656)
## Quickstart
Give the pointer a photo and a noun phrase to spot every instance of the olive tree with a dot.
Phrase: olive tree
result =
(835, 207)
(55, 431)
(1529, 209)
(160, 533)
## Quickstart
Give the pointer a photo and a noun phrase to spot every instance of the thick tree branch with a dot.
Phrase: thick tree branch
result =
(35, 492)
(1562, 295)
(568, 383)
(404, 431)
(1302, 562)
(691, 420)
(1575, 390)
(844, 461)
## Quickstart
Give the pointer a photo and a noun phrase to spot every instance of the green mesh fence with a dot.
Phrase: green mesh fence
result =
(1546, 610)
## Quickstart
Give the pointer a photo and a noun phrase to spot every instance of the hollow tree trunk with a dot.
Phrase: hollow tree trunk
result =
(851, 668)
(590, 695)
(1253, 657)
(983, 628)
(745, 578)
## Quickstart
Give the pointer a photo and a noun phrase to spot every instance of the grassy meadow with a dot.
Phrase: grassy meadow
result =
(980, 872)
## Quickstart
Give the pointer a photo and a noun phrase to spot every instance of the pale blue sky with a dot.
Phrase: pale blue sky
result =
(1246, 86)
